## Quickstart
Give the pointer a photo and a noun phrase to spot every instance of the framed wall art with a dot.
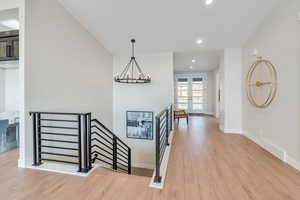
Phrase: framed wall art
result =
(139, 125)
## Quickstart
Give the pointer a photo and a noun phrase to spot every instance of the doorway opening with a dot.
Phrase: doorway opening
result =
(196, 83)
(9, 81)
(191, 93)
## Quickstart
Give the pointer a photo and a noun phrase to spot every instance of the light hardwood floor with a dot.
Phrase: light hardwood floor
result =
(204, 165)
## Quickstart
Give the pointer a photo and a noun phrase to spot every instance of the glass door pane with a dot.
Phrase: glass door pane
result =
(197, 94)
(182, 100)
(191, 93)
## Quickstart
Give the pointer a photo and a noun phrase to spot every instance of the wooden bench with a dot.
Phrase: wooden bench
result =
(178, 114)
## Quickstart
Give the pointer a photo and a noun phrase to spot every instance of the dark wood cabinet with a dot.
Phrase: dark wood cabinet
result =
(9, 46)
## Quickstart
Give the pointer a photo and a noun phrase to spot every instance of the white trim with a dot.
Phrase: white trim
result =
(276, 151)
(164, 166)
(268, 146)
(23, 142)
(233, 131)
(292, 162)
(21, 162)
(253, 138)
(189, 77)
(63, 169)
(205, 113)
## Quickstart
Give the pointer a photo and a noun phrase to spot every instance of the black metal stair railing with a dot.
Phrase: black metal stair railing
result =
(164, 125)
(76, 138)
(107, 148)
(61, 137)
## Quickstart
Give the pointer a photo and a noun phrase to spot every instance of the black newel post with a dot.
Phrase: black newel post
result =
(167, 127)
(79, 144)
(115, 166)
(90, 139)
(157, 178)
(34, 139)
(129, 161)
(85, 153)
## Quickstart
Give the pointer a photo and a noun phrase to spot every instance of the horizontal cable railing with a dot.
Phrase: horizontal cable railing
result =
(62, 137)
(107, 148)
(164, 124)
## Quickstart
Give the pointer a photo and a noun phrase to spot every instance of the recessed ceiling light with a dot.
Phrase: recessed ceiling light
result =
(209, 2)
(199, 41)
(11, 23)
(191, 67)
(193, 61)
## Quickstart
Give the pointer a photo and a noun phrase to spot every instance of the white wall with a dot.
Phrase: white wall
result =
(2, 90)
(8, 4)
(216, 77)
(210, 109)
(66, 68)
(149, 97)
(233, 90)
(12, 90)
(229, 80)
(221, 104)
(9, 90)
(278, 39)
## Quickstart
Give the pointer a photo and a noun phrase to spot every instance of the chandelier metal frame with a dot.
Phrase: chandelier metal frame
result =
(132, 72)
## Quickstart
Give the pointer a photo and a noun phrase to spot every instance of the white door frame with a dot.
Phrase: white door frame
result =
(190, 77)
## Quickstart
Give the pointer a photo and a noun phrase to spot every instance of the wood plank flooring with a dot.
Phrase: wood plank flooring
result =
(205, 164)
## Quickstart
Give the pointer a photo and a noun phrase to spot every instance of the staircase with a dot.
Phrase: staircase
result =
(109, 149)
(77, 139)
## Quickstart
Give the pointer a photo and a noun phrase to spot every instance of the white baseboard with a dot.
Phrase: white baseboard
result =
(233, 131)
(293, 162)
(208, 113)
(62, 169)
(268, 146)
(275, 150)
(202, 113)
(21, 163)
(254, 139)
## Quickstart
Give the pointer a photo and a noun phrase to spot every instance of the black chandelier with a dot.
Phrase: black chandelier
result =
(132, 72)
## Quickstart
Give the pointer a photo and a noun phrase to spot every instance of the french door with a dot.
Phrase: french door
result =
(191, 93)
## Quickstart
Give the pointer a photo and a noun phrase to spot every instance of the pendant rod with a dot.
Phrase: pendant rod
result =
(132, 42)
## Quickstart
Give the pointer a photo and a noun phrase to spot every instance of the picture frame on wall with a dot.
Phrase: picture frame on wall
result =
(139, 125)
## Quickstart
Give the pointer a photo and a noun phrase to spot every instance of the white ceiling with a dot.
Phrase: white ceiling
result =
(169, 25)
(204, 61)
(11, 14)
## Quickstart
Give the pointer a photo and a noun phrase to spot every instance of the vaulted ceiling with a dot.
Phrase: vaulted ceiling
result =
(169, 25)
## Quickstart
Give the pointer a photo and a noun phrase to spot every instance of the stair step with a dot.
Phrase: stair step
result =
(142, 172)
